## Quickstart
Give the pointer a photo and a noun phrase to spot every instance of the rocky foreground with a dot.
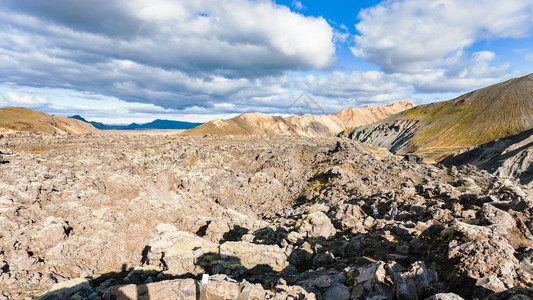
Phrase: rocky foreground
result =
(112, 216)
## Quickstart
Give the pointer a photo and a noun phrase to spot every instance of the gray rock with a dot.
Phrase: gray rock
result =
(415, 282)
(317, 224)
(336, 291)
(488, 285)
(490, 215)
(445, 296)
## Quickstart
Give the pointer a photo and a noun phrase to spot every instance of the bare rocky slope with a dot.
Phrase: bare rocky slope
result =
(131, 216)
(510, 157)
(437, 130)
(22, 119)
(259, 124)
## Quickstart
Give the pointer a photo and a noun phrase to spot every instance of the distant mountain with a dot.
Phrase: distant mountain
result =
(439, 129)
(252, 124)
(156, 124)
(164, 124)
(98, 125)
(23, 119)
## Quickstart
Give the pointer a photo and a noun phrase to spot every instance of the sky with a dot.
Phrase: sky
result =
(127, 61)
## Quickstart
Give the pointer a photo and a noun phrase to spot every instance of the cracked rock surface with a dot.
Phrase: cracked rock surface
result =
(105, 216)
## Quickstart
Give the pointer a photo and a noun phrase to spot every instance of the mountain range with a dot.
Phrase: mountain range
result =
(156, 124)
(259, 124)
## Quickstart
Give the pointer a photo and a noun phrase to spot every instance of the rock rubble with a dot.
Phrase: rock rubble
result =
(130, 216)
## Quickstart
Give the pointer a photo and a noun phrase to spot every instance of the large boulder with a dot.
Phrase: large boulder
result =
(66, 289)
(252, 255)
(349, 216)
(54, 231)
(488, 285)
(218, 287)
(445, 296)
(186, 289)
(373, 280)
(490, 215)
(476, 252)
(177, 251)
(418, 281)
(231, 226)
(317, 224)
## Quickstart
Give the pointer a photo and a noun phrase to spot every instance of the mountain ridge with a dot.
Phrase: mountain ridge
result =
(260, 124)
(155, 124)
(439, 129)
(24, 119)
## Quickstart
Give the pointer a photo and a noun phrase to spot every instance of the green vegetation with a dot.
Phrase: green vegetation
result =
(472, 119)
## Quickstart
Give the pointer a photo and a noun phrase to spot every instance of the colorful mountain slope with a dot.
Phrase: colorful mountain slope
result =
(252, 124)
(438, 129)
(23, 119)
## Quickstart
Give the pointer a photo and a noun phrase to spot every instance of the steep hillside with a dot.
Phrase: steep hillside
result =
(508, 157)
(23, 119)
(356, 116)
(438, 129)
(252, 124)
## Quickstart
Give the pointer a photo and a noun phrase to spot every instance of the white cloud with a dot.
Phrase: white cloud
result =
(170, 53)
(471, 73)
(233, 38)
(14, 99)
(527, 53)
(355, 87)
(414, 35)
(297, 4)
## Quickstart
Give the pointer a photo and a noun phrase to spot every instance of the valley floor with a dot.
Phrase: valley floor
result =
(144, 214)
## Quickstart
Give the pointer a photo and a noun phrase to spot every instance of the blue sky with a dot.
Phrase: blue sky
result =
(134, 61)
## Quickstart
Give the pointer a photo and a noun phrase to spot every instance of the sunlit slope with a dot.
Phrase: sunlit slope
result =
(23, 119)
(437, 129)
(259, 124)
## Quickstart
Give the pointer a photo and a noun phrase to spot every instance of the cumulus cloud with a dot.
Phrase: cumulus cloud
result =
(14, 99)
(170, 53)
(411, 36)
(355, 87)
(471, 73)
(232, 37)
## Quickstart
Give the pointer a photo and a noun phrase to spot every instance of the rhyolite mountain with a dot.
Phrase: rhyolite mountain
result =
(437, 130)
(156, 124)
(259, 124)
(24, 119)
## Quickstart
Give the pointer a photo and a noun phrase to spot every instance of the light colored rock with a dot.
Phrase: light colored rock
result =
(66, 289)
(488, 285)
(178, 250)
(252, 291)
(317, 224)
(445, 296)
(185, 289)
(250, 255)
(232, 225)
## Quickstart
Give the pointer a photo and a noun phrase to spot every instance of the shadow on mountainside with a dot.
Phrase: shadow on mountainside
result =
(491, 156)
